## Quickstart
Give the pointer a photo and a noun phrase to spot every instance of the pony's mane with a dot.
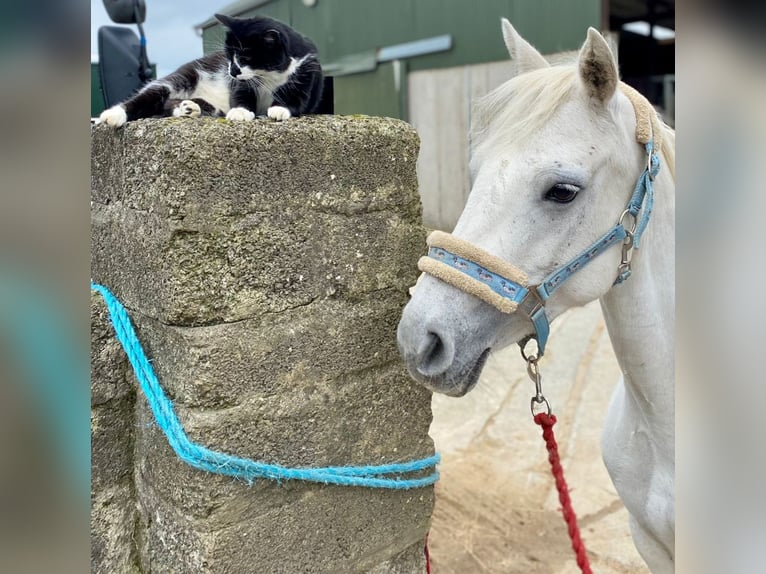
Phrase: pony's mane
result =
(668, 150)
(535, 97)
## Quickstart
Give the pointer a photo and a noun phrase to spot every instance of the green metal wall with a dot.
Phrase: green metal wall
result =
(344, 28)
(373, 93)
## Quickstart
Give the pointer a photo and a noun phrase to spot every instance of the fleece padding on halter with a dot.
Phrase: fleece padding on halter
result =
(474, 271)
(470, 252)
(465, 283)
(647, 121)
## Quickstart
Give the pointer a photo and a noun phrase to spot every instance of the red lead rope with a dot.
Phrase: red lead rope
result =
(428, 556)
(547, 421)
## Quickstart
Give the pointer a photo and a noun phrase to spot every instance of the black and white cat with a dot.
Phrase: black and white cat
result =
(266, 68)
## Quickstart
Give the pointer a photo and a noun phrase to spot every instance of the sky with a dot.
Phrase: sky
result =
(170, 36)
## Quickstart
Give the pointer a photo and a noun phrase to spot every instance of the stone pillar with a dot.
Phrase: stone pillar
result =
(113, 399)
(265, 266)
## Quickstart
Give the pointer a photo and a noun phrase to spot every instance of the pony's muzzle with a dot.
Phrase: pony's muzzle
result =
(444, 336)
(426, 351)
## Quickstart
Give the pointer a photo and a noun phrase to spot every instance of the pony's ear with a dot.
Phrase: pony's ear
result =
(598, 70)
(522, 53)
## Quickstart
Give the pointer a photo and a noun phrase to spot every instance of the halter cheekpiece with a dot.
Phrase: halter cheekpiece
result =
(497, 282)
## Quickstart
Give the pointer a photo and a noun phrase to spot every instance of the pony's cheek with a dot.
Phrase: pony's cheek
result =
(513, 328)
(584, 287)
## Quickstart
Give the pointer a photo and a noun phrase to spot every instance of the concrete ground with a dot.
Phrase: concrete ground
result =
(497, 509)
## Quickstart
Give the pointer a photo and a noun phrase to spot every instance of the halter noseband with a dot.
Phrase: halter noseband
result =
(506, 287)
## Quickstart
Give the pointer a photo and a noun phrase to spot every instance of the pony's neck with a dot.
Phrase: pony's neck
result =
(639, 313)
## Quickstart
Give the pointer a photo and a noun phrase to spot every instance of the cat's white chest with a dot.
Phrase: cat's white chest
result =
(265, 99)
(213, 88)
(270, 81)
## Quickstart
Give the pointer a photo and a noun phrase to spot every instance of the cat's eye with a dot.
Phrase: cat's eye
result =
(562, 193)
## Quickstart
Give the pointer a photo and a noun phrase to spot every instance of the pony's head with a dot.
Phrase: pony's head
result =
(554, 161)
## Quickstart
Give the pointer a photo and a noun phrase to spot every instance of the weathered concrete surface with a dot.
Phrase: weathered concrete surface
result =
(265, 267)
(109, 368)
(235, 220)
(497, 509)
(301, 346)
(113, 505)
(411, 560)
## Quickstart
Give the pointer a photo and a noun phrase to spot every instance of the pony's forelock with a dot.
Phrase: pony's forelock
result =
(520, 106)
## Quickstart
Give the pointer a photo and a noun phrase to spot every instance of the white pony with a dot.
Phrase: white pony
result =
(554, 163)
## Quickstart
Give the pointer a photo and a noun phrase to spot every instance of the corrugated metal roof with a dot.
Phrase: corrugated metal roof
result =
(233, 9)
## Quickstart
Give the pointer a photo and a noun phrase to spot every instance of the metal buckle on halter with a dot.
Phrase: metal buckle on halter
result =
(531, 303)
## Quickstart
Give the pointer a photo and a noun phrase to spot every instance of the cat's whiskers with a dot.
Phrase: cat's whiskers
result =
(256, 82)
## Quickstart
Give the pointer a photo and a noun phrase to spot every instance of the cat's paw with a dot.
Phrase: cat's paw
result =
(187, 109)
(240, 115)
(278, 113)
(115, 117)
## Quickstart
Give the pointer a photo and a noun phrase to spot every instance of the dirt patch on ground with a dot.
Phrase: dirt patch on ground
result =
(478, 528)
(483, 524)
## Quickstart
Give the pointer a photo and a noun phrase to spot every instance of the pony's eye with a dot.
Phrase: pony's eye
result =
(562, 193)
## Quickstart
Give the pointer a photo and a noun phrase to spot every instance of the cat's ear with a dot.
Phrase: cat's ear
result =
(272, 37)
(522, 53)
(227, 21)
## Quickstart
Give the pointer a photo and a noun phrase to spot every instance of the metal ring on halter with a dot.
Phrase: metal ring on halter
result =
(523, 346)
(633, 227)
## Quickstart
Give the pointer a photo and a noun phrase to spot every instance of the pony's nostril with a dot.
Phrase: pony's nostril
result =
(429, 347)
(433, 357)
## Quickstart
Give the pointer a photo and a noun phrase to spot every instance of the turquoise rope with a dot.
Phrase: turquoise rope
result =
(208, 460)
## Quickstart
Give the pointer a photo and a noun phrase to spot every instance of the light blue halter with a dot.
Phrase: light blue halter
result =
(530, 300)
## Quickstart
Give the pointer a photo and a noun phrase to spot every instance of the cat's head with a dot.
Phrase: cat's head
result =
(254, 45)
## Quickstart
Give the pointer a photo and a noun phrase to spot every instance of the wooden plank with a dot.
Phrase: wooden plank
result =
(451, 109)
(439, 111)
(499, 73)
(422, 94)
